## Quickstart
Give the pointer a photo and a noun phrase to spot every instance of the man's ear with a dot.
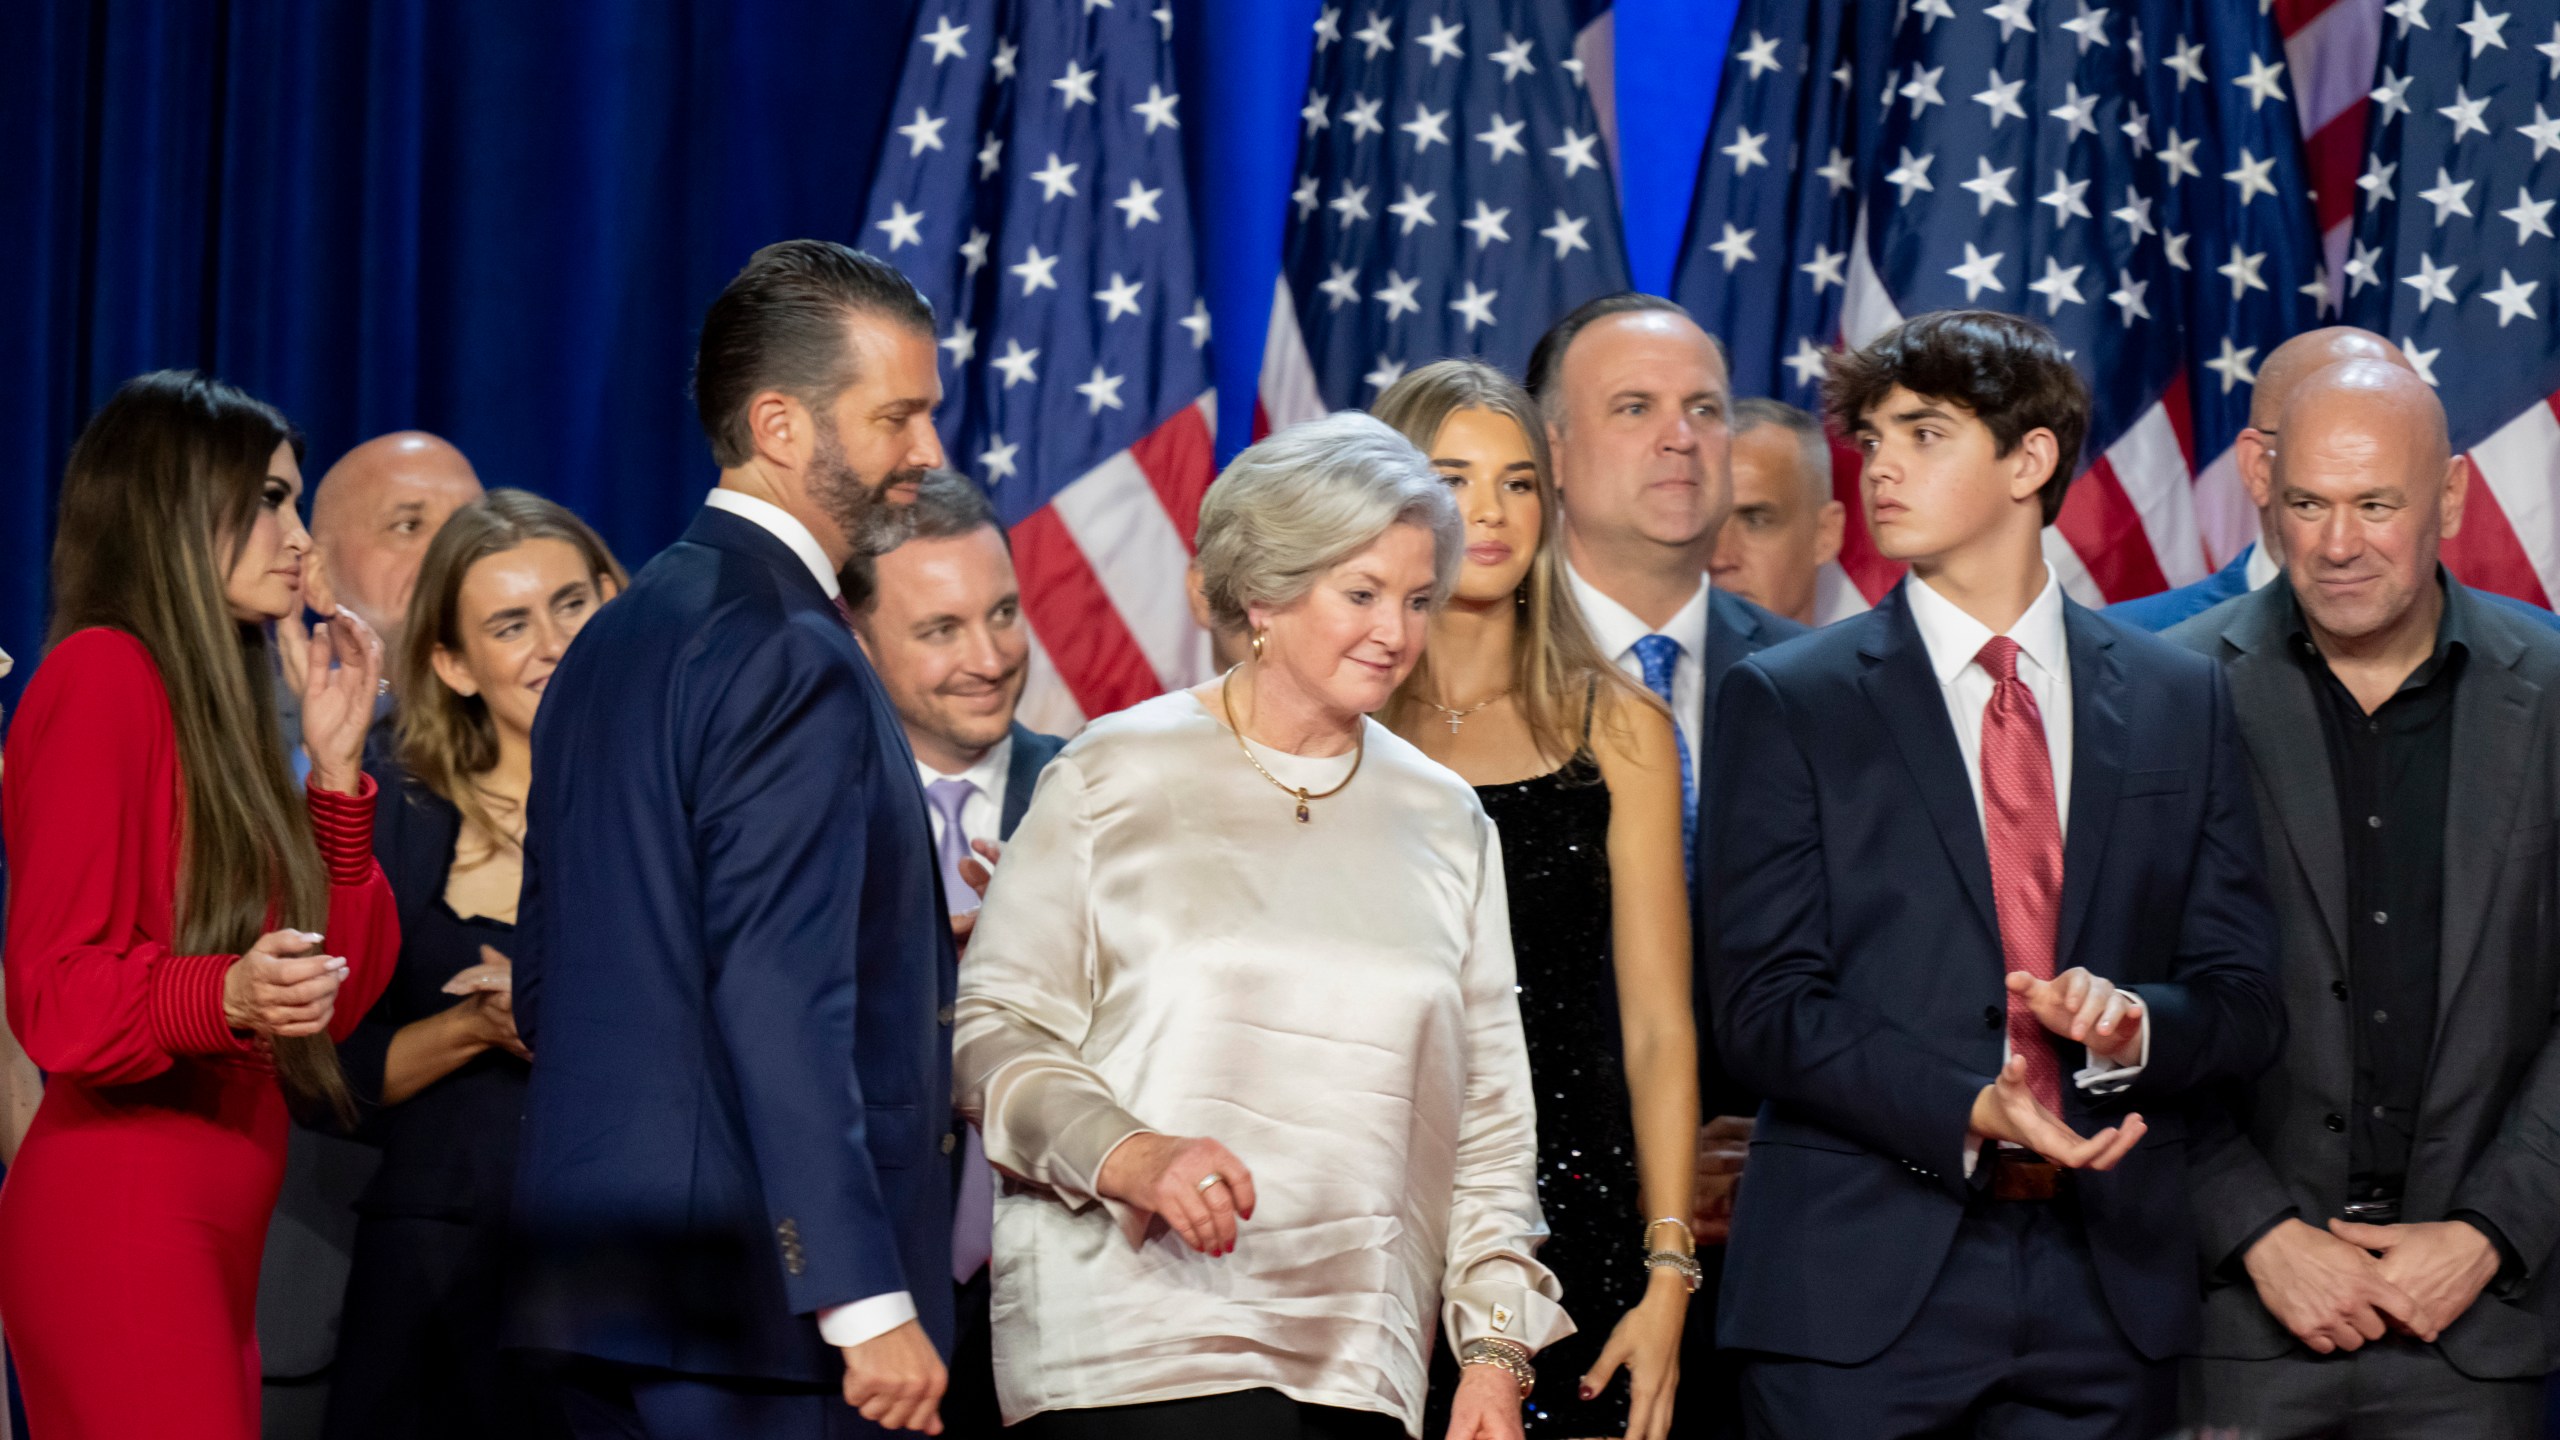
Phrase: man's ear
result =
(2256, 458)
(1829, 524)
(781, 429)
(2457, 493)
(2033, 463)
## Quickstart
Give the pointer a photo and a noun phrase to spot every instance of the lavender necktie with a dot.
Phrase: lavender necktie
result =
(948, 797)
(973, 1213)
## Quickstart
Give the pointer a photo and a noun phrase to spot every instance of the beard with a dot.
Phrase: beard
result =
(872, 523)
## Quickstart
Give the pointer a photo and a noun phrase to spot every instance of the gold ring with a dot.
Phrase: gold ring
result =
(1212, 1178)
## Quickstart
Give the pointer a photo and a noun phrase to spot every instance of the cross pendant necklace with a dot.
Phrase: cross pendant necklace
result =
(1459, 717)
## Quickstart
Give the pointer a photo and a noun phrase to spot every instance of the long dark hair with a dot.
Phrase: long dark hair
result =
(162, 488)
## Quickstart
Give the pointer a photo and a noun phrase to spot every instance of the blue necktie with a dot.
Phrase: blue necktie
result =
(1660, 657)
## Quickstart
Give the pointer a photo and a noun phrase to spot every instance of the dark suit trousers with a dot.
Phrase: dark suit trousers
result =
(2014, 1342)
(2396, 1389)
(1240, 1415)
(969, 1409)
(605, 1401)
(418, 1355)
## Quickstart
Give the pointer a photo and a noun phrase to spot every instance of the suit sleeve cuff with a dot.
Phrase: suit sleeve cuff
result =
(2108, 1072)
(2510, 1264)
(845, 1326)
(2235, 1265)
(186, 1006)
(343, 827)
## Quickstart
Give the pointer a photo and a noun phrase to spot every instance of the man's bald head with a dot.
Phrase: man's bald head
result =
(371, 519)
(2366, 489)
(2313, 350)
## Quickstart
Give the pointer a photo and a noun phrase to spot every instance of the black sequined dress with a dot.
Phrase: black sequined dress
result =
(1555, 858)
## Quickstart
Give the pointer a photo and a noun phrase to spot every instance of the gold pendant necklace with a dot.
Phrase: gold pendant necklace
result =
(1227, 701)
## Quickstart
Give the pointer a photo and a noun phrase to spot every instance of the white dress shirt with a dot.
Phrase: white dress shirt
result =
(982, 814)
(1617, 630)
(866, 1319)
(1953, 640)
(2262, 566)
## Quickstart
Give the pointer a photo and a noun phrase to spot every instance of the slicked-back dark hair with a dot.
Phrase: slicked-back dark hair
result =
(1546, 363)
(948, 505)
(780, 325)
(2009, 371)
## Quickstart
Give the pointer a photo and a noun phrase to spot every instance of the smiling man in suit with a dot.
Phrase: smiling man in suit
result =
(1987, 895)
(738, 965)
(941, 618)
(2378, 1224)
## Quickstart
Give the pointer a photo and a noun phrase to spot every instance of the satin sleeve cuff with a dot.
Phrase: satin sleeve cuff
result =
(186, 1007)
(343, 827)
(1503, 1309)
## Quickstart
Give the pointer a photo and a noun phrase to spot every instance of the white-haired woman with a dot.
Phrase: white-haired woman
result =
(1238, 1016)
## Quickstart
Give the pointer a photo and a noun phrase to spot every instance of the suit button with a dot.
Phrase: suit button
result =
(943, 1014)
(951, 1142)
(2338, 988)
(1992, 1015)
(2337, 1123)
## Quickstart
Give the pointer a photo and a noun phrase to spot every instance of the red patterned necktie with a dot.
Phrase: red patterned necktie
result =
(2024, 834)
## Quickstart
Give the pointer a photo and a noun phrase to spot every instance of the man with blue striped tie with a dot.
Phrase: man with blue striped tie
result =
(1637, 400)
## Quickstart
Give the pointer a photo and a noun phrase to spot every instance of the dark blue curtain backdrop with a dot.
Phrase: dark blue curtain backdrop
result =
(501, 219)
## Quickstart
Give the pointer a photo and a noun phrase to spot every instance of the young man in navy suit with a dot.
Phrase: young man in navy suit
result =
(941, 619)
(1985, 878)
(733, 1183)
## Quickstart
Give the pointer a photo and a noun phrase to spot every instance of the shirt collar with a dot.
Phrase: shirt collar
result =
(780, 524)
(988, 769)
(1617, 628)
(2262, 567)
(1953, 638)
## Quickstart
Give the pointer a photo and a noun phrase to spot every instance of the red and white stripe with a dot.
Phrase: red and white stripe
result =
(1104, 569)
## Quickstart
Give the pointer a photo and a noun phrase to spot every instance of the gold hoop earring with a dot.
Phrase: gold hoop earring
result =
(1257, 644)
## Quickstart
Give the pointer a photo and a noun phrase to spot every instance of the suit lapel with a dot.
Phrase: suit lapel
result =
(1020, 774)
(2492, 724)
(1730, 631)
(2097, 766)
(2281, 727)
(1905, 692)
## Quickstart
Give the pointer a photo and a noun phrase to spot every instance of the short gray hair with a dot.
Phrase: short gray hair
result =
(1310, 497)
(1750, 414)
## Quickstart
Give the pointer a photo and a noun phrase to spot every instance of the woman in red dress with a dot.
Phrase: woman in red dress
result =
(186, 935)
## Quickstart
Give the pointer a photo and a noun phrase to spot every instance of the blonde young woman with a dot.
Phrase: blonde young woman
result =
(504, 587)
(1579, 771)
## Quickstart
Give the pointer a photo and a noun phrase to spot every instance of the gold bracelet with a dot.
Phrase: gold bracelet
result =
(1510, 1355)
(1685, 1232)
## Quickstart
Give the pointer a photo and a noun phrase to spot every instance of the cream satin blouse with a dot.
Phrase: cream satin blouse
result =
(1166, 949)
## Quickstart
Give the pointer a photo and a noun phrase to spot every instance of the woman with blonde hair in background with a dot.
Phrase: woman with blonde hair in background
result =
(1578, 769)
(504, 587)
(186, 934)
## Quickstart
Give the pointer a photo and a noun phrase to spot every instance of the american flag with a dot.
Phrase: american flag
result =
(1032, 187)
(1454, 194)
(2452, 256)
(2133, 176)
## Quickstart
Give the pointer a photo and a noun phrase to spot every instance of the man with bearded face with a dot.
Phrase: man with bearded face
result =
(738, 966)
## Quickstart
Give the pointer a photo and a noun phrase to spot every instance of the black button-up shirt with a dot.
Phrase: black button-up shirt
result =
(2392, 769)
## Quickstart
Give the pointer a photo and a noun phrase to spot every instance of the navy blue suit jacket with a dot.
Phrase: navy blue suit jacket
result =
(2157, 613)
(1032, 752)
(735, 973)
(1858, 983)
(1736, 630)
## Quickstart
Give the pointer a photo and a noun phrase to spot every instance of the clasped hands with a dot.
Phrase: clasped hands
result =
(2338, 1288)
(2079, 1006)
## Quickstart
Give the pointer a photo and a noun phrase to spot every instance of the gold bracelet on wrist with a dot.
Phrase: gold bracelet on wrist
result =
(1687, 1266)
(1509, 1355)
(1685, 1233)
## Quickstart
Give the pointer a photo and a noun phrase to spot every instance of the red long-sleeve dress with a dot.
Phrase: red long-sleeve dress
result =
(132, 1224)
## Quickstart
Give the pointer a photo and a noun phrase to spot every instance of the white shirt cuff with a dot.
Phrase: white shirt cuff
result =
(1972, 1154)
(2110, 1071)
(845, 1326)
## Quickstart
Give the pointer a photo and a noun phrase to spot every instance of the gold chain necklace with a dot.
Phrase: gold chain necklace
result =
(1360, 750)
(1459, 717)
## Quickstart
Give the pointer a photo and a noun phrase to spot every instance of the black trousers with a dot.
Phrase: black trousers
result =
(969, 1410)
(2394, 1389)
(1243, 1415)
(605, 1401)
(2014, 1342)
(418, 1355)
